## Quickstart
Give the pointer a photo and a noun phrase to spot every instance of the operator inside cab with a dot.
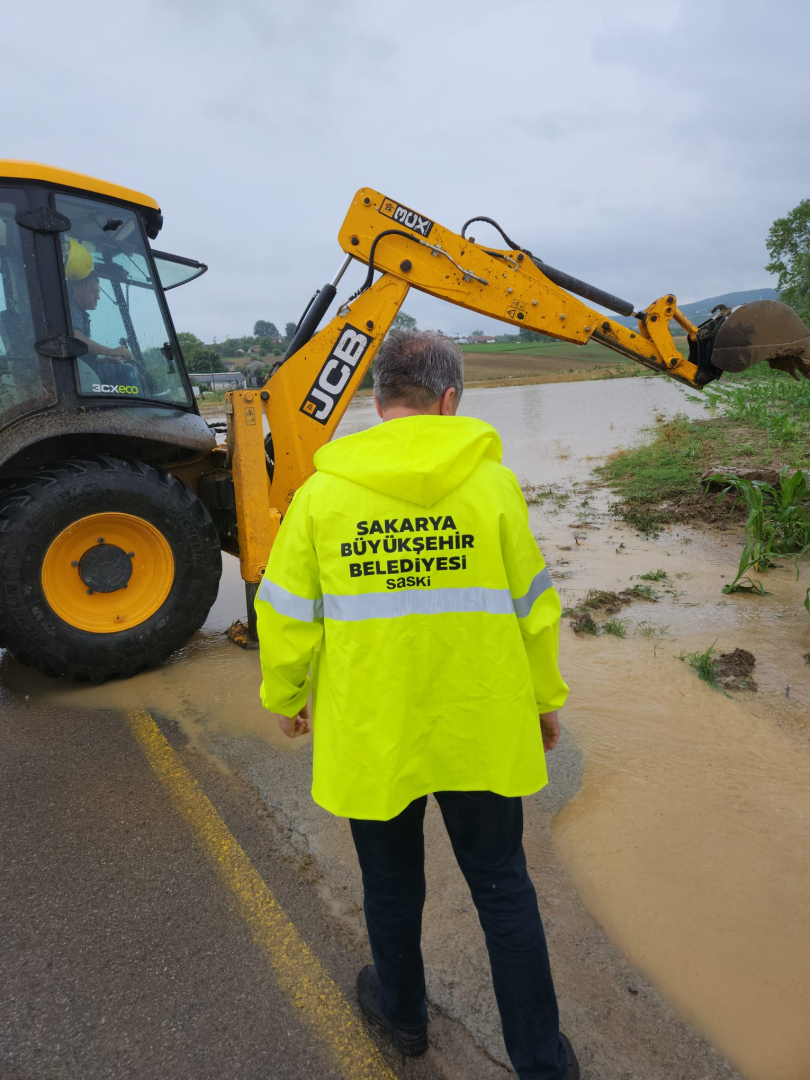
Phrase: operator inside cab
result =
(110, 365)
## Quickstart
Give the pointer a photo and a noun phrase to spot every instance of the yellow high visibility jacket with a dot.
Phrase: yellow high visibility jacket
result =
(405, 573)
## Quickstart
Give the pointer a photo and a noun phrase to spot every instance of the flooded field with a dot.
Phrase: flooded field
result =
(689, 837)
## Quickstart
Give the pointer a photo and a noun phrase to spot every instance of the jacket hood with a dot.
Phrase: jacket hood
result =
(416, 458)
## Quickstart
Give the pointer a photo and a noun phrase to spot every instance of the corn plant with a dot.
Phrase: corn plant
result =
(778, 524)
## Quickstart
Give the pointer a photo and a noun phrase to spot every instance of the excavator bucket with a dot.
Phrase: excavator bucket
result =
(764, 330)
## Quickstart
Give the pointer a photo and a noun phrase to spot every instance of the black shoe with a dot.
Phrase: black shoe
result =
(573, 1064)
(407, 1042)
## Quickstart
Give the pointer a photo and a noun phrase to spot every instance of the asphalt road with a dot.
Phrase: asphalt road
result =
(123, 953)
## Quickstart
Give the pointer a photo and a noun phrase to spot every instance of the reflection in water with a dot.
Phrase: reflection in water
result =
(689, 839)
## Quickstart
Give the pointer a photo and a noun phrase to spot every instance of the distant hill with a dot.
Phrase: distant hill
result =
(701, 310)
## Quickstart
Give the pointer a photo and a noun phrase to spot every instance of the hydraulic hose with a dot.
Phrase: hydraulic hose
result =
(559, 277)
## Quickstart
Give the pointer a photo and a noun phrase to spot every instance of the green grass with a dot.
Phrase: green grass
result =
(704, 665)
(654, 575)
(616, 627)
(667, 468)
(649, 629)
(560, 348)
(769, 401)
(565, 350)
(645, 592)
(765, 421)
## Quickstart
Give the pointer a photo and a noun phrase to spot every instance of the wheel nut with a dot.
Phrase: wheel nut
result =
(130, 554)
(74, 563)
(89, 592)
(101, 539)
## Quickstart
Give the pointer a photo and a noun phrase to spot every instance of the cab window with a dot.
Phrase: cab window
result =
(20, 367)
(114, 306)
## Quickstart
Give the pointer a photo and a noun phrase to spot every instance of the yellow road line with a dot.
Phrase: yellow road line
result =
(300, 974)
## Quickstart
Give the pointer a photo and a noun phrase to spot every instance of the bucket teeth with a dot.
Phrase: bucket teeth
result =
(795, 366)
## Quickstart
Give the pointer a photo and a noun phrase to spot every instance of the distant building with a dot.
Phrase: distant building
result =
(219, 380)
(479, 339)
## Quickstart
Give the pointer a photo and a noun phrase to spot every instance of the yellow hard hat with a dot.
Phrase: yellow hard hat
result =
(79, 262)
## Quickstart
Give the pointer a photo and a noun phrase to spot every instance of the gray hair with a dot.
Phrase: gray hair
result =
(414, 368)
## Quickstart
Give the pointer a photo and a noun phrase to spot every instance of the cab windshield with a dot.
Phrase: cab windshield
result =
(114, 306)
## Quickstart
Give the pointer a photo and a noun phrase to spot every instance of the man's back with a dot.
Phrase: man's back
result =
(407, 565)
(406, 574)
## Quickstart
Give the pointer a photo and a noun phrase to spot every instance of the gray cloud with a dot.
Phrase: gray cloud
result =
(644, 147)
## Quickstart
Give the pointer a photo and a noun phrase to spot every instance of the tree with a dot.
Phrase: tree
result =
(532, 335)
(195, 355)
(263, 328)
(404, 321)
(289, 330)
(204, 360)
(188, 341)
(788, 245)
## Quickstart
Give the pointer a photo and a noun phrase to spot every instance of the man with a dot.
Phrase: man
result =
(406, 574)
(83, 294)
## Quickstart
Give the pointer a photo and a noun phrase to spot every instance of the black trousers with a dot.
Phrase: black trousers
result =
(486, 831)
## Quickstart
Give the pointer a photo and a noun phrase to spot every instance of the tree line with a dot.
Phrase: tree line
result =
(200, 357)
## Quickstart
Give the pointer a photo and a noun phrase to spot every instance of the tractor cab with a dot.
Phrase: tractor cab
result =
(85, 331)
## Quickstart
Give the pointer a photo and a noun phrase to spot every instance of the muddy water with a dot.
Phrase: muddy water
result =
(690, 837)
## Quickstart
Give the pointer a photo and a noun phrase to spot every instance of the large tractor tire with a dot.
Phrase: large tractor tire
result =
(106, 568)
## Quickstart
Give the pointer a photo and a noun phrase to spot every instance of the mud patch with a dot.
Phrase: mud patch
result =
(607, 603)
(724, 671)
(734, 670)
(706, 508)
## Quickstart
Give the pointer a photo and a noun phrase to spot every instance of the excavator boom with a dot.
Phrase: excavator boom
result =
(305, 399)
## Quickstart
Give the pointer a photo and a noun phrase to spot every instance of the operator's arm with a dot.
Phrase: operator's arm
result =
(537, 604)
(289, 610)
(121, 353)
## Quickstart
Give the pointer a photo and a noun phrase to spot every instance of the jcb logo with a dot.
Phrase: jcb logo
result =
(402, 215)
(335, 374)
(106, 388)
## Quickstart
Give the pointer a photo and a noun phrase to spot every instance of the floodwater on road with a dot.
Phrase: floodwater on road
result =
(689, 840)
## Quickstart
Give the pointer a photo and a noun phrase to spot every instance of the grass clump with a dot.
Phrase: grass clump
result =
(534, 494)
(654, 575)
(663, 470)
(704, 664)
(644, 592)
(668, 466)
(616, 627)
(648, 629)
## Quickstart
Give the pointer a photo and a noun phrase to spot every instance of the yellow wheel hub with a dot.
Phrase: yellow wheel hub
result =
(107, 572)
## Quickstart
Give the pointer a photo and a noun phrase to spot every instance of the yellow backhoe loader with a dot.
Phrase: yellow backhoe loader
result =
(115, 499)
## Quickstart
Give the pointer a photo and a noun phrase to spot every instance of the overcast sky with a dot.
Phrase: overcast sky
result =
(643, 146)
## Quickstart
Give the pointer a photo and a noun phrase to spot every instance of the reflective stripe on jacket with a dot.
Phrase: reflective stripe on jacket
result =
(406, 574)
